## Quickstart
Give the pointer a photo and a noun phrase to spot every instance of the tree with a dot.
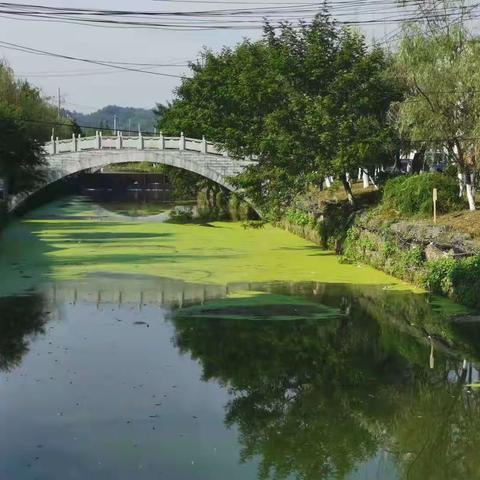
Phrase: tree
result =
(26, 120)
(307, 102)
(440, 64)
(21, 158)
(27, 105)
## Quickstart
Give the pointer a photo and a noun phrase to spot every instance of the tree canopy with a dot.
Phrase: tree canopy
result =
(441, 69)
(26, 122)
(308, 101)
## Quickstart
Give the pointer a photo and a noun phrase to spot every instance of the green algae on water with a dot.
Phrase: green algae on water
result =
(69, 240)
(260, 306)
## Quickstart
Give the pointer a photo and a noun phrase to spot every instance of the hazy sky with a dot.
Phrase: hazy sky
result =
(85, 92)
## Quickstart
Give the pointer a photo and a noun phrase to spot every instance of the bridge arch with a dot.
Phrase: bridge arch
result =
(68, 157)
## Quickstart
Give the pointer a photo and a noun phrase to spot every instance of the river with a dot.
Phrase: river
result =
(134, 348)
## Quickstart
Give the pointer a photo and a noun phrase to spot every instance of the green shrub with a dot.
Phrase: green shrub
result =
(181, 215)
(459, 280)
(411, 195)
(438, 275)
(299, 217)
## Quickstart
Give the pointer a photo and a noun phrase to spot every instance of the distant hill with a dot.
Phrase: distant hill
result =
(127, 117)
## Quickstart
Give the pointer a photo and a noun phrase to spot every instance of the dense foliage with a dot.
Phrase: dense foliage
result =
(412, 195)
(308, 102)
(26, 104)
(26, 121)
(440, 66)
(457, 279)
(20, 155)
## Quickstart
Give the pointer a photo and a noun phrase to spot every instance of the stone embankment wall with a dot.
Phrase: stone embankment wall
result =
(434, 257)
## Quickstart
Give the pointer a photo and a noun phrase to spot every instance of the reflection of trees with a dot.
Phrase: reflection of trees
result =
(312, 399)
(20, 319)
(437, 434)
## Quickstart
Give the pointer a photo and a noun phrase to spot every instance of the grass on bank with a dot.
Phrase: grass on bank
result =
(410, 197)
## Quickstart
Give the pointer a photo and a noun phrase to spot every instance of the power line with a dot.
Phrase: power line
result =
(35, 51)
(75, 73)
(233, 18)
(69, 125)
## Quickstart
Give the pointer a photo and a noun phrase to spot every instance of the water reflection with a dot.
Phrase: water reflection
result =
(307, 381)
(21, 319)
(316, 400)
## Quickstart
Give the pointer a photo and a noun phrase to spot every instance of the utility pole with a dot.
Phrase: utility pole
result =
(114, 124)
(59, 102)
(129, 126)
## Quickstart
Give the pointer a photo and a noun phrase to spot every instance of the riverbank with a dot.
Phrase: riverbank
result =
(443, 258)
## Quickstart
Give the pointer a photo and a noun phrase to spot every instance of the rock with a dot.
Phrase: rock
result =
(432, 252)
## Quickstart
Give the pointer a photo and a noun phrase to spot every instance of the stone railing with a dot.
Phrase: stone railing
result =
(138, 142)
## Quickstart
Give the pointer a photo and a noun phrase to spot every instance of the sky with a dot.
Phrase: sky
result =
(90, 92)
(85, 87)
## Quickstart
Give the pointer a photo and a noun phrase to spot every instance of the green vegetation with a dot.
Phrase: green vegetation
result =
(384, 252)
(457, 279)
(440, 65)
(411, 196)
(64, 240)
(259, 306)
(135, 167)
(26, 120)
(309, 102)
(20, 154)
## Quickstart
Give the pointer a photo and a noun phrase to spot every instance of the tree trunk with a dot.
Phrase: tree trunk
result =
(365, 177)
(348, 190)
(418, 161)
(462, 180)
(471, 196)
(471, 191)
(372, 181)
(347, 177)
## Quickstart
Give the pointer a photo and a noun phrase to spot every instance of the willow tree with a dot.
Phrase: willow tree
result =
(441, 67)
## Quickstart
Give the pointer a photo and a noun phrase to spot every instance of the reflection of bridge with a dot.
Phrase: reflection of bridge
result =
(137, 291)
(67, 157)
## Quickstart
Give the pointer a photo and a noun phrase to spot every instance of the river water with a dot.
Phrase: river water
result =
(139, 350)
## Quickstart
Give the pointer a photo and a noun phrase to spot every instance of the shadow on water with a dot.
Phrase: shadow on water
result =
(32, 249)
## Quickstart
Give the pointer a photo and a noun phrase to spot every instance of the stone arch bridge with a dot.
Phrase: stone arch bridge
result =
(67, 157)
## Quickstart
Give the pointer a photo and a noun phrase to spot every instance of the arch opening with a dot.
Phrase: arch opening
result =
(64, 172)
